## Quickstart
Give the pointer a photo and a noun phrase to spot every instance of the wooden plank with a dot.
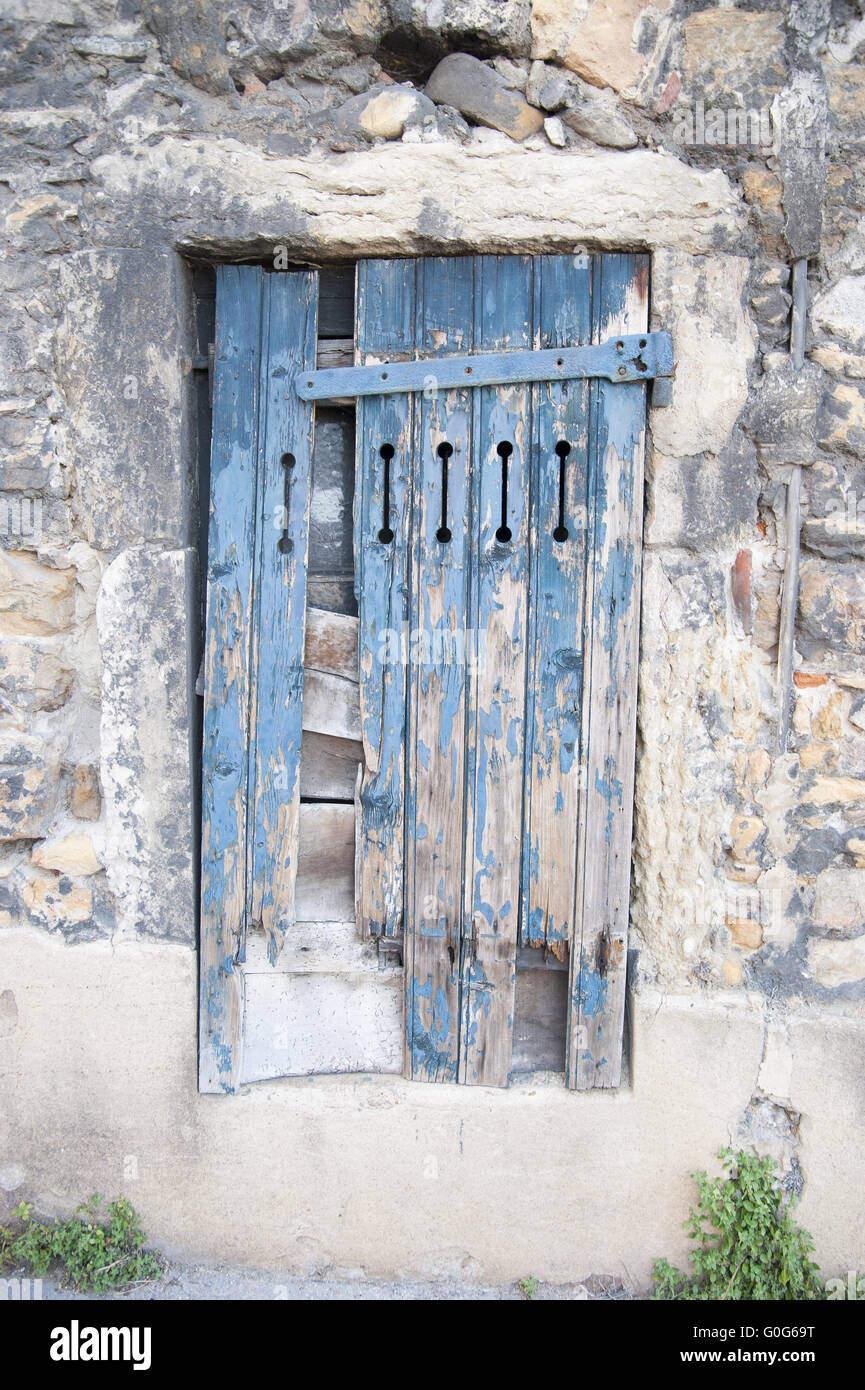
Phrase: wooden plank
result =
(598, 967)
(501, 443)
(336, 300)
(325, 872)
(313, 1024)
(385, 318)
(328, 767)
(331, 643)
(331, 705)
(279, 595)
(317, 948)
(331, 503)
(556, 617)
(442, 547)
(333, 592)
(540, 1021)
(227, 653)
(334, 352)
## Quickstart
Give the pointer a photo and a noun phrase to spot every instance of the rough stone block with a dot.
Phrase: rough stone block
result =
(831, 612)
(146, 769)
(839, 903)
(120, 368)
(799, 119)
(699, 300)
(35, 599)
(836, 963)
(482, 96)
(597, 39)
(840, 311)
(734, 57)
(597, 116)
(32, 677)
(452, 198)
(495, 25)
(783, 415)
(705, 501)
(29, 785)
(842, 419)
(192, 41)
(384, 111)
(72, 854)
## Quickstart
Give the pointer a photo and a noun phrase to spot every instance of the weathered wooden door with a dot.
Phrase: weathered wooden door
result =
(497, 543)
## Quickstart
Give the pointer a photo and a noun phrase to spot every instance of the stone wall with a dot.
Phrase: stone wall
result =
(138, 137)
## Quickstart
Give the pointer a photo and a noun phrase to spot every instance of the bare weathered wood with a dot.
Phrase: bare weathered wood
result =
(331, 643)
(334, 352)
(317, 948)
(331, 705)
(385, 319)
(599, 958)
(556, 612)
(325, 872)
(500, 448)
(328, 767)
(435, 831)
(227, 656)
(279, 598)
(540, 1021)
(313, 1023)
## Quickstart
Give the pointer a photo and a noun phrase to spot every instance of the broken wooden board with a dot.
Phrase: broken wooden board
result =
(560, 446)
(441, 546)
(316, 1023)
(319, 948)
(328, 767)
(279, 600)
(385, 319)
(599, 955)
(499, 599)
(227, 668)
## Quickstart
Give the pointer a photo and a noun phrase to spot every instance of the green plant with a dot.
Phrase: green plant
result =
(748, 1246)
(93, 1256)
(529, 1286)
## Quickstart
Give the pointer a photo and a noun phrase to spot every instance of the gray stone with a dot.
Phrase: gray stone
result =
(831, 626)
(840, 312)
(515, 74)
(383, 111)
(192, 41)
(146, 768)
(594, 114)
(705, 501)
(97, 46)
(800, 115)
(842, 419)
(816, 850)
(29, 785)
(598, 117)
(482, 96)
(556, 94)
(32, 677)
(782, 418)
(555, 131)
(502, 26)
(120, 330)
(733, 51)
